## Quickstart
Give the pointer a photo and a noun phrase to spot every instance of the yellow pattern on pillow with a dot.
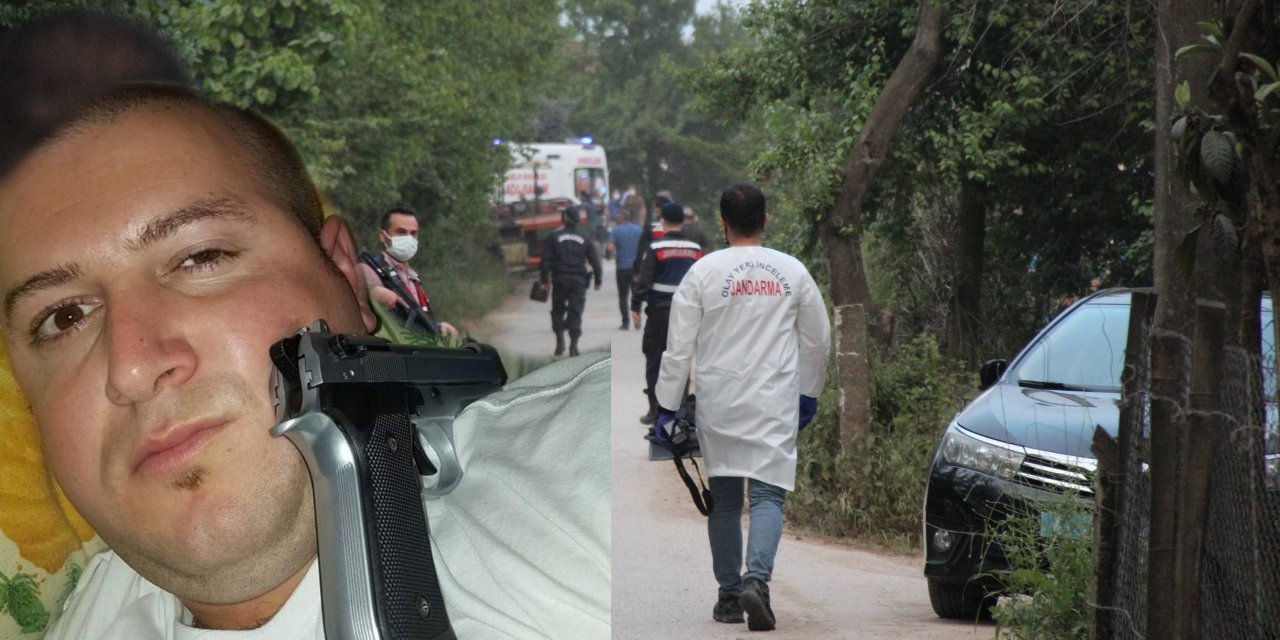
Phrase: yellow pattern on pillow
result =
(34, 513)
(44, 543)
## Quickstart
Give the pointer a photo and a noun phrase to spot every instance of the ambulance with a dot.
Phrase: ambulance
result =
(542, 179)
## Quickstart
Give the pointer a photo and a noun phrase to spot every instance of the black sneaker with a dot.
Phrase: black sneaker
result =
(755, 601)
(727, 610)
(649, 418)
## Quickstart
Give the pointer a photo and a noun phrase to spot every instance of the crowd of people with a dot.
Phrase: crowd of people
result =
(747, 329)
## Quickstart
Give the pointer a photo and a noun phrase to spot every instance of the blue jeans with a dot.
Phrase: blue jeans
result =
(724, 529)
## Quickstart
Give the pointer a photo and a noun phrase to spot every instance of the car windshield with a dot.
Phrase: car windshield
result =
(1085, 351)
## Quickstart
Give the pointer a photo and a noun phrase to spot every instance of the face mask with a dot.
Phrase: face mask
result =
(403, 248)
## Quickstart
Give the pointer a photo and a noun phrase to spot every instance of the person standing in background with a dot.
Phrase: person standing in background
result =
(624, 242)
(658, 273)
(692, 231)
(566, 254)
(399, 237)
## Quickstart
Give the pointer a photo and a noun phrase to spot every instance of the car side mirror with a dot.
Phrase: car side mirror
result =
(990, 372)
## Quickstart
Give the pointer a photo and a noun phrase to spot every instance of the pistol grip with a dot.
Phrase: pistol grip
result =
(404, 574)
(377, 576)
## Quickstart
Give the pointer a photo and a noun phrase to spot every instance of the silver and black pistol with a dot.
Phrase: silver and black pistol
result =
(374, 422)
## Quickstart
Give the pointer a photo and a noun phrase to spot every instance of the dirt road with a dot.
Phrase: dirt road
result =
(662, 582)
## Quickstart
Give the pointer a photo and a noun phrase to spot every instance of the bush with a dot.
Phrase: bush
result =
(462, 270)
(877, 492)
(1047, 587)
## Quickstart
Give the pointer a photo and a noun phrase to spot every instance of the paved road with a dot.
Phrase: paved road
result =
(662, 582)
(521, 328)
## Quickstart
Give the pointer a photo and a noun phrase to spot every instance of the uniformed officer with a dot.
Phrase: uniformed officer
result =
(754, 321)
(657, 275)
(565, 256)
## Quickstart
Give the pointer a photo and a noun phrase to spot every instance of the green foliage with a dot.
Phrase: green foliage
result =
(1207, 144)
(626, 85)
(74, 572)
(1046, 106)
(1048, 582)
(877, 492)
(20, 598)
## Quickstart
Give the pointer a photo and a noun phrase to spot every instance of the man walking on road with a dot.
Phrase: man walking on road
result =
(692, 231)
(660, 271)
(754, 320)
(565, 256)
(624, 241)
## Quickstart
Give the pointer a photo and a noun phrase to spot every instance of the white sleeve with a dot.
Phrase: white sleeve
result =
(677, 360)
(814, 331)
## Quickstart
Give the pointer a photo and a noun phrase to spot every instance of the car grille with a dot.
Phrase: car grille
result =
(1057, 473)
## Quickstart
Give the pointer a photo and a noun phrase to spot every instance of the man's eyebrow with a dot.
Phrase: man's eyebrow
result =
(155, 230)
(58, 275)
(169, 224)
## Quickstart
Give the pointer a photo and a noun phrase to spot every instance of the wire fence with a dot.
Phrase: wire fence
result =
(1238, 591)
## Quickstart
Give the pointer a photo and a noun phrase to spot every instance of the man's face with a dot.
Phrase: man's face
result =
(400, 224)
(144, 277)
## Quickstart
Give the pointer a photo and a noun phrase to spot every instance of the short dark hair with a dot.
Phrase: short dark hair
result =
(673, 212)
(398, 209)
(50, 66)
(742, 207)
(275, 163)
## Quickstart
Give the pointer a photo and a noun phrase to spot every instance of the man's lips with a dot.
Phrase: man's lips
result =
(170, 451)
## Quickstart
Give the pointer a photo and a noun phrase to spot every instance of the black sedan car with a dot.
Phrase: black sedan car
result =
(1024, 440)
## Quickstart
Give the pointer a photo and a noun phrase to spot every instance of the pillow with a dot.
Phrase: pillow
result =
(44, 543)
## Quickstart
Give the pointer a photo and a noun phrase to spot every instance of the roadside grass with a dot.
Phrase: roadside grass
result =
(875, 493)
(1045, 593)
(466, 285)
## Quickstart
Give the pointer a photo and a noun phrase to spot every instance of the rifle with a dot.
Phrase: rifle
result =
(417, 314)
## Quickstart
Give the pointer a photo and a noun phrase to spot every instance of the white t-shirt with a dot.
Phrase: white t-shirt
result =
(521, 546)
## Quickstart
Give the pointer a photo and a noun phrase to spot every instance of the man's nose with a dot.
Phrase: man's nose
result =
(147, 351)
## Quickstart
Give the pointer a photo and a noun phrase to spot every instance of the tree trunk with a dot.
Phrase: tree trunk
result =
(1176, 27)
(1264, 201)
(841, 230)
(965, 320)
(1173, 220)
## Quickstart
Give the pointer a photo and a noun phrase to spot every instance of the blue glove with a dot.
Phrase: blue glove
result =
(808, 409)
(660, 433)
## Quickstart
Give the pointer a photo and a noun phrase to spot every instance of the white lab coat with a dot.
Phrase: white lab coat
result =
(755, 323)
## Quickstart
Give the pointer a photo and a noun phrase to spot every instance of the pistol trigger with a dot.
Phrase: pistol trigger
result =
(420, 459)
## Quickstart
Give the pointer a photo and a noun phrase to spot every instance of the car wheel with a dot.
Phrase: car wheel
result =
(963, 600)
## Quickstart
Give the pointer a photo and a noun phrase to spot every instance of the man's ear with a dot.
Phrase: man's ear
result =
(340, 246)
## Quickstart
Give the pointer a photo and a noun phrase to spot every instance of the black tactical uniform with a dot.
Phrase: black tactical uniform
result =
(658, 275)
(565, 255)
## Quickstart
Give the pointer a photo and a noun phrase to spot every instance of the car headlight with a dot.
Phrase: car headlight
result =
(989, 457)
